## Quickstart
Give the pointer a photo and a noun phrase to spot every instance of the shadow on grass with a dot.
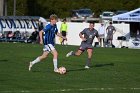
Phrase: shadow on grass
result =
(82, 69)
(78, 69)
(97, 65)
(36, 71)
(102, 65)
(3, 60)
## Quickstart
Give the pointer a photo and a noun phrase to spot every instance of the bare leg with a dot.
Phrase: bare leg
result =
(77, 53)
(38, 59)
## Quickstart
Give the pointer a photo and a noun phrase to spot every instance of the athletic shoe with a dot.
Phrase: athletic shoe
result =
(30, 66)
(87, 67)
(56, 70)
(69, 54)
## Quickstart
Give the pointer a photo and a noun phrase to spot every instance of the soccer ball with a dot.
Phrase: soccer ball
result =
(62, 70)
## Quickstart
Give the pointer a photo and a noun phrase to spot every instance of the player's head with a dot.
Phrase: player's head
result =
(64, 19)
(110, 23)
(102, 24)
(91, 25)
(53, 18)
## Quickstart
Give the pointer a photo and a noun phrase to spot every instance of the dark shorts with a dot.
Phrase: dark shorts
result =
(85, 46)
(63, 33)
(109, 37)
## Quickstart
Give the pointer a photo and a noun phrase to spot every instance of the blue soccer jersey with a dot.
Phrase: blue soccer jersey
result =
(49, 34)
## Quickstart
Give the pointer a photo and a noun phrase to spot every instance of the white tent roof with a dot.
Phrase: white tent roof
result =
(43, 20)
(132, 16)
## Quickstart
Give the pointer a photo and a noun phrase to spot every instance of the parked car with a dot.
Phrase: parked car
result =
(82, 13)
(107, 15)
(74, 14)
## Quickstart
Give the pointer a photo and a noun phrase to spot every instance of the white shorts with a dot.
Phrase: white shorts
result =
(48, 48)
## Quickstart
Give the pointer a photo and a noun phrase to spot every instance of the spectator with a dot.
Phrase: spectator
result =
(17, 35)
(63, 30)
(33, 37)
(10, 35)
(101, 32)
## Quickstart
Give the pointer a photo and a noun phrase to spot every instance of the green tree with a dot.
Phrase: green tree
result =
(21, 7)
(63, 8)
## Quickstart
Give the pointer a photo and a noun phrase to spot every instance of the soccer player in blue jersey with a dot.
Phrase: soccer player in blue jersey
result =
(47, 37)
(87, 36)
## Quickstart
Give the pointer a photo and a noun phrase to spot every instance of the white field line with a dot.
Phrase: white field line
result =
(66, 90)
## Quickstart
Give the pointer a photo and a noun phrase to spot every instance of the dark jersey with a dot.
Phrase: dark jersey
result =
(49, 34)
(89, 35)
(110, 30)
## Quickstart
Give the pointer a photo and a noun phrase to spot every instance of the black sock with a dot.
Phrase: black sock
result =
(73, 53)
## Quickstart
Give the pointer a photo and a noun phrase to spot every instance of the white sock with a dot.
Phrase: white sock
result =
(36, 60)
(66, 43)
(55, 63)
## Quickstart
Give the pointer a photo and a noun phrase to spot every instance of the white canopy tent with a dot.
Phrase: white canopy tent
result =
(44, 21)
(132, 16)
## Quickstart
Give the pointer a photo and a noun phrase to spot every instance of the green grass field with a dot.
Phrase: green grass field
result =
(113, 71)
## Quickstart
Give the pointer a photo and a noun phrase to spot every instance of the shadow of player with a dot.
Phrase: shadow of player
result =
(97, 65)
(102, 65)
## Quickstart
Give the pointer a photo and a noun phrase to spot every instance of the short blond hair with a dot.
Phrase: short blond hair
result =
(53, 16)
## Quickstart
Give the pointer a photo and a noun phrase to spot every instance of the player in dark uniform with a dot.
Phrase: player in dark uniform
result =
(110, 30)
(87, 36)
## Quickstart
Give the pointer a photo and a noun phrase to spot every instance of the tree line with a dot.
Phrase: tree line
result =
(63, 8)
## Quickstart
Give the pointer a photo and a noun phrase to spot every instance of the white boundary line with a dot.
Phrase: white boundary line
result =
(67, 90)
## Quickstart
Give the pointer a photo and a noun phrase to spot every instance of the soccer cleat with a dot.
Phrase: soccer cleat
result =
(69, 54)
(87, 67)
(56, 70)
(30, 66)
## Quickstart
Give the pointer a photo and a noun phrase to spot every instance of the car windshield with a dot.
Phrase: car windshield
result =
(107, 14)
(86, 11)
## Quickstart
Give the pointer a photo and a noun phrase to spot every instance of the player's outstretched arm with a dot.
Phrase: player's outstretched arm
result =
(60, 35)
